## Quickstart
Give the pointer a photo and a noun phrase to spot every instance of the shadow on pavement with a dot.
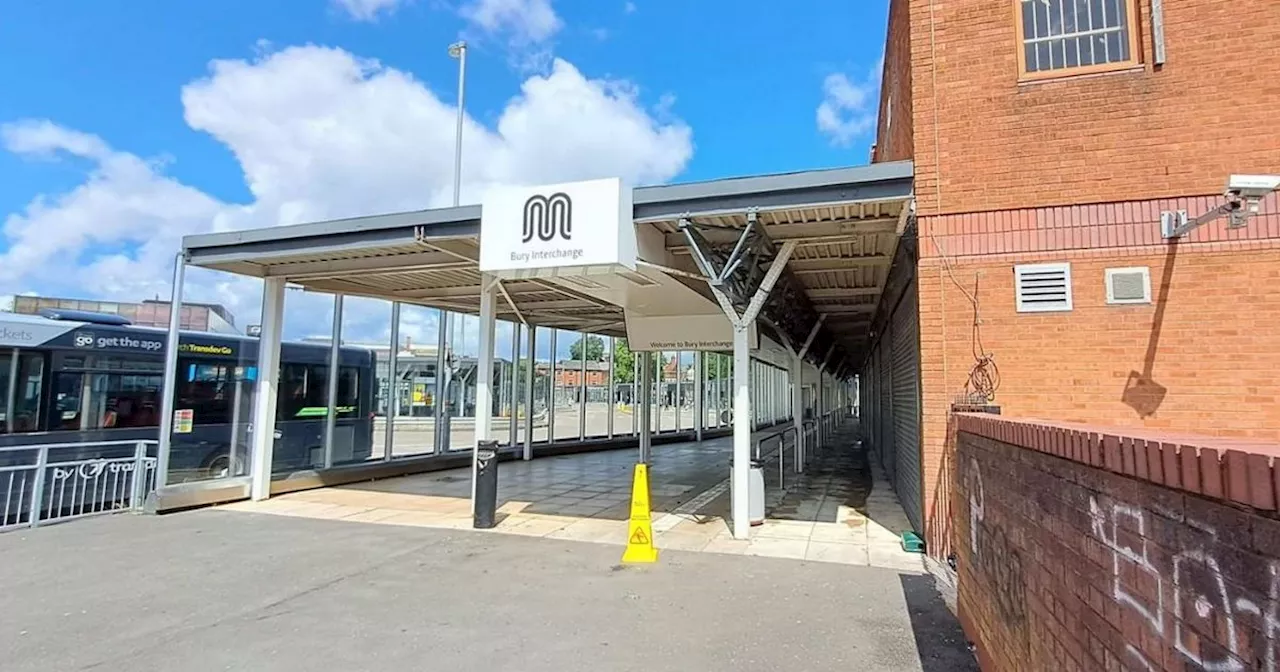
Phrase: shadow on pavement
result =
(939, 640)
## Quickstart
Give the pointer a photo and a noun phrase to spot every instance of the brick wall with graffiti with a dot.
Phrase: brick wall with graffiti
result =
(1094, 548)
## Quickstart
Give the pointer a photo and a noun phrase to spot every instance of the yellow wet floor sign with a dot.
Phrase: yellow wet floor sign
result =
(640, 526)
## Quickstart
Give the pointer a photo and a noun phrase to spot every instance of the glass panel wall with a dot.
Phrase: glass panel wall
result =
(542, 384)
(568, 385)
(523, 370)
(596, 382)
(623, 388)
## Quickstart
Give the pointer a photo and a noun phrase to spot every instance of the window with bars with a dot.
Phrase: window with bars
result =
(1063, 36)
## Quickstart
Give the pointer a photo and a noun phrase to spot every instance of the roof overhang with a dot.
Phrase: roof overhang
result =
(846, 224)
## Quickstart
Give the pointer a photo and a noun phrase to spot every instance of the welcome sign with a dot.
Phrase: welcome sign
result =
(573, 228)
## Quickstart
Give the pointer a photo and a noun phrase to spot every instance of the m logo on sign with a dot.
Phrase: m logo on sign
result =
(546, 217)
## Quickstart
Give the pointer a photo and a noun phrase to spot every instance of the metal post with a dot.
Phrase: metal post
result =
(331, 394)
(582, 390)
(458, 50)
(719, 392)
(393, 384)
(741, 504)
(797, 407)
(37, 489)
(10, 404)
(646, 390)
(821, 412)
(233, 451)
(139, 489)
(442, 343)
(612, 391)
(700, 381)
(515, 384)
(657, 388)
(678, 397)
(264, 404)
(484, 378)
(638, 363)
(170, 387)
(551, 392)
(530, 370)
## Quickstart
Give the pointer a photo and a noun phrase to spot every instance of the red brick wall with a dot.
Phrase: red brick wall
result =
(894, 131)
(985, 141)
(1212, 349)
(1079, 550)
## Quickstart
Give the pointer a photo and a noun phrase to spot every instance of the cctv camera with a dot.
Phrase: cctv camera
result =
(1252, 187)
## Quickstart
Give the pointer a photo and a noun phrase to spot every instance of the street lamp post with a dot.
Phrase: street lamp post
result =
(458, 50)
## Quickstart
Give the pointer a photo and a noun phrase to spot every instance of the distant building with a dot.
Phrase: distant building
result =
(150, 313)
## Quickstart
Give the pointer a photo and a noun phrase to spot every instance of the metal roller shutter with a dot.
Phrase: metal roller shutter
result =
(906, 405)
(886, 456)
(885, 445)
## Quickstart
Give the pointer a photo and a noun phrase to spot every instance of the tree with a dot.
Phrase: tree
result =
(624, 362)
(595, 348)
(717, 365)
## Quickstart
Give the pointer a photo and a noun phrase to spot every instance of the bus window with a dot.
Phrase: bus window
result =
(27, 392)
(204, 389)
(304, 392)
(6, 360)
(106, 400)
(348, 392)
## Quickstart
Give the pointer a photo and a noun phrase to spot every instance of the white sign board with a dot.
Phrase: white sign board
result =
(683, 332)
(576, 228)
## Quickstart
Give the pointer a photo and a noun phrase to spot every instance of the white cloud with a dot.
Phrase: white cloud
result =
(848, 108)
(318, 133)
(629, 8)
(367, 10)
(522, 21)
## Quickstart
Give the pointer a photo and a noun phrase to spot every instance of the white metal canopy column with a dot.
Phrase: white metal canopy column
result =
(331, 390)
(264, 404)
(644, 404)
(484, 377)
(797, 392)
(168, 402)
(742, 418)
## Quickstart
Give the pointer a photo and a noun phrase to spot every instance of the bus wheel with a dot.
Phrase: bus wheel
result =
(220, 466)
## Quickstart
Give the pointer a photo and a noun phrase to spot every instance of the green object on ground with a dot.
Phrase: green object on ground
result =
(912, 543)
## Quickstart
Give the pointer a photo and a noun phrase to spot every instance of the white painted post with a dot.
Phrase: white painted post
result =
(331, 393)
(393, 384)
(646, 392)
(170, 395)
(700, 381)
(264, 404)
(484, 377)
(741, 505)
(797, 407)
(530, 370)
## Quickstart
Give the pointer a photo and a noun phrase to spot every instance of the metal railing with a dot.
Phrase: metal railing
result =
(54, 482)
(781, 436)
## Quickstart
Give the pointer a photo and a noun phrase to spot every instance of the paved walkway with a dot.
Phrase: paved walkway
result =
(839, 511)
(212, 590)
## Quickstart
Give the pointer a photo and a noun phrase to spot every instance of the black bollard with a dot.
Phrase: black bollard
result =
(486, 485)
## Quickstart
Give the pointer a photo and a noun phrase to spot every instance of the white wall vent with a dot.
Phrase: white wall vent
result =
(1129, 285)
(1041, 288)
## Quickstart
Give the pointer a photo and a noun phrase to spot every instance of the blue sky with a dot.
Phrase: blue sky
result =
(128, 123)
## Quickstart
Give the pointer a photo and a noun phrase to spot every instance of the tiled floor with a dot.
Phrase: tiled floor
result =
(840, 511)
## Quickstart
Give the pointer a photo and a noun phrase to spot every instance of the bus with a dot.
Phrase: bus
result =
(75, 377)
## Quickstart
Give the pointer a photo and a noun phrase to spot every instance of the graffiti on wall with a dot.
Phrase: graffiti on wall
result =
(1196, 587)
(991, 553)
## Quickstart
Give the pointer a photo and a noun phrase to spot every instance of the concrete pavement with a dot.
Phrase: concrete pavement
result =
(212, 590)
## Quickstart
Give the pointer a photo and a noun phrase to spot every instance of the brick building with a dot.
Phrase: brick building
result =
(149, 313)
(569, 373)
(1047, 139)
